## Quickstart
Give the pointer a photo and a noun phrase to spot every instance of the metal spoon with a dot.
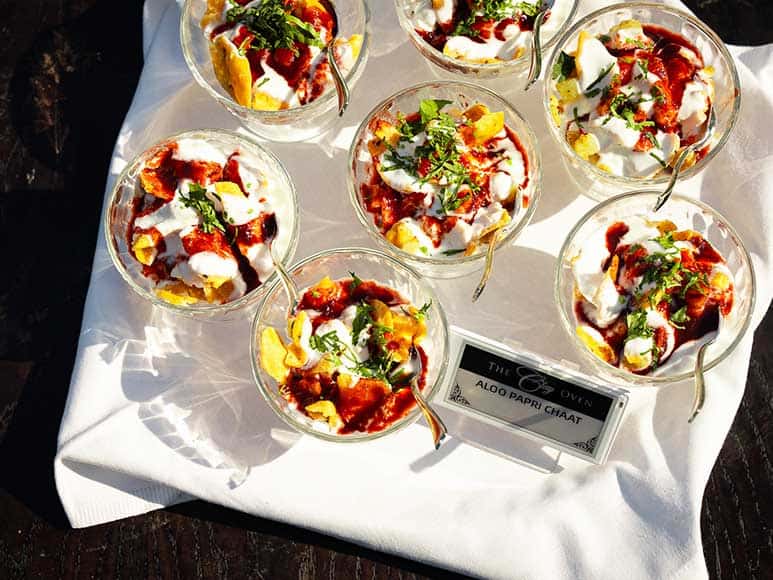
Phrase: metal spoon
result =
(436, 425)
(711, 124)
(293, 295)
(700, 383)
(487, 268)
(535, 64)
(342, 89)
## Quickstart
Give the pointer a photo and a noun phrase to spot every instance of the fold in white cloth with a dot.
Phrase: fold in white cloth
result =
(163, 409)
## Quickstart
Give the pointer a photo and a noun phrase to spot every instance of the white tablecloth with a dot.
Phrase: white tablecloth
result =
(163, 409)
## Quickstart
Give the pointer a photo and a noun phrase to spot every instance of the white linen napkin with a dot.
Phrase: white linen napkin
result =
(163, 409)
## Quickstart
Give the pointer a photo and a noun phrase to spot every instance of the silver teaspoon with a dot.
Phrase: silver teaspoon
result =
(293, 295)
(711, 124)
(535, 63)
(436, 425)
(342, 89)
(700, 383)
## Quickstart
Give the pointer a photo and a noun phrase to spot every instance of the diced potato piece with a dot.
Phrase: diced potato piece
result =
(264, 102)
(180, 294)
(586, 145)
(596, 345)
(381, 313)
(401, 236)
(344, 381)
(437, 4)
(144, 248)
(272, 355)
(325, 410)
(487, 126)
(720, 281)
(220, 291)
(568, 89)
(476, 111)
(407, 332)
(228, 188)
(385, 135)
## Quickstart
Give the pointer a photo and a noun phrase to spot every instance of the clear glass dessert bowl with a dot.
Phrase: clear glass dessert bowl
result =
(173, 243)
(679, 36)
(414, 14)
(296, 123)
(340, 264)
(462, 103)
(594, 232)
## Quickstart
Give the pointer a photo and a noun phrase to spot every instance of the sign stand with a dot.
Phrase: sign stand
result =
(548, 409)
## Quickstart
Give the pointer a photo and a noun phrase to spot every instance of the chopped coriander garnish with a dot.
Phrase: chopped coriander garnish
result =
(274, 26)
(493, 10)
(198, 200)
(421, 313)
(361, 320)
(679, 318)
(563, 68)
(452, 252)
(658, 159)
(600, 78)
(430, 109)
(356, 280)
(637, 325)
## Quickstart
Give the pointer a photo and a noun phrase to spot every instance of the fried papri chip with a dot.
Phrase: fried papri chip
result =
(272, 355)
(180, 294)
(238, 72)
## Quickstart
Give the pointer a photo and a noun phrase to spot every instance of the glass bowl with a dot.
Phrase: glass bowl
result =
(599, 184)
(289, 125)
(685, 212)
(368, 265)
(120, 208)
(461, 94)
(561, 15)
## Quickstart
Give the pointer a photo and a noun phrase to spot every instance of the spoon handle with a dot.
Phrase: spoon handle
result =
(535, 64)
(434, 421)
(487, 268)
(666, 193)
(292, 290)
(342, 89)
(700, 382)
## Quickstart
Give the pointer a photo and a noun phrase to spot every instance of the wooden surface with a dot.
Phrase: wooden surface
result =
(67, 75)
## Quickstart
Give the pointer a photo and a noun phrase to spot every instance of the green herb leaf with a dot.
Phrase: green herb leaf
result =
(637, 325)
(362, 319)
(600, 78)
(430, 109)
(198, 200)
(274, 26)
(564, 67)
(421, 313)
(679, 318)
(356, 281)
